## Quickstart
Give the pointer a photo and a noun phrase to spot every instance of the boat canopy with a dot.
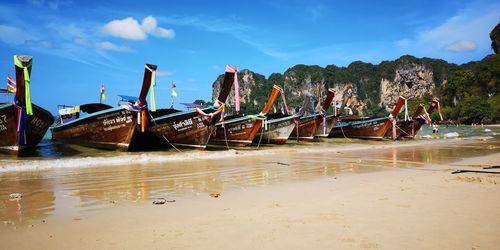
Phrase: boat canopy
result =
(127, 98)
(94, 107)
(191, 105)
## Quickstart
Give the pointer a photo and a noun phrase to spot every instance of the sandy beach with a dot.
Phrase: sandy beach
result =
(415, 206)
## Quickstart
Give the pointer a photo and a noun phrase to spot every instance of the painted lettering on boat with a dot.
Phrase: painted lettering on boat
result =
(122, 112)
(39, 123)
(239, 127)
(2, 127)
(183, 125)
(116, 122)
(110, 128)
(38, 126)
(199, 121)
(375, 124)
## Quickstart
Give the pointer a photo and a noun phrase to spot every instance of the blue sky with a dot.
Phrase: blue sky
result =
(76, 45)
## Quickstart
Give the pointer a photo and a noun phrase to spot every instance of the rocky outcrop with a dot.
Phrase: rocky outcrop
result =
(410, 81)
(248, 83)
(495, 39)
(374, 86)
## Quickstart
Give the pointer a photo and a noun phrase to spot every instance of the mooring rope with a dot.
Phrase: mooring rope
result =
(163, 135)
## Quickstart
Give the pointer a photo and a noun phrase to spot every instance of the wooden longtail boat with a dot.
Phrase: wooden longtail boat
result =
(324, 131)
(22, 124)
(104, 126)
(279, 128)
(190, 129)
(366, 127)
(408, 129)
(240, 130)
(324, 128)
(308, 125)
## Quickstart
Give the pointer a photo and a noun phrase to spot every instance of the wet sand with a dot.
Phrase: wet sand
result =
(382, 196)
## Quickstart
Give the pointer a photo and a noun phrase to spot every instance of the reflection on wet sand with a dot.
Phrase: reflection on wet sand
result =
(37, 200)
(63, 192)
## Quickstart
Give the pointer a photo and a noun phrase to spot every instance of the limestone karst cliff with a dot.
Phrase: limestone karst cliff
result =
(375, 87)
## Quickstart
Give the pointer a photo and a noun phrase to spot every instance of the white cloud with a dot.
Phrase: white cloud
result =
(54, 5)
(216, 68)
(239, 31)
(130, 29)
(466, 31)
(165, 33)
(148, 24)
(127, 28)
(111, 46)
(12, 35)
(164, 73)
(463, 45)
(82, 41)
(39, 43)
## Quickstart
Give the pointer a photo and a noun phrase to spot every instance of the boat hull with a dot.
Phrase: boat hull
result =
(107, 129)
(185, 129)
(406, 129)
(370, 128)
(36, 127)
(324, 131)
(305, 129)
(239, 132)
(278, 131)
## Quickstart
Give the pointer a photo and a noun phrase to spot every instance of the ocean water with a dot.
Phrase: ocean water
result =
(52, 156)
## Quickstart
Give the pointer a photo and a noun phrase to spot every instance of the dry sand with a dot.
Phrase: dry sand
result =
(412, 208)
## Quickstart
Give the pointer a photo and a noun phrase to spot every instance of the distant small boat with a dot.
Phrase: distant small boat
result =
(409, 128)
(190, 129)
(104, 126)
(22, 124)
(366, 127)
(238, 130)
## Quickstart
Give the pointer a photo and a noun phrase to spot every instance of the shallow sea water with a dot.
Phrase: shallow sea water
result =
(74, 180)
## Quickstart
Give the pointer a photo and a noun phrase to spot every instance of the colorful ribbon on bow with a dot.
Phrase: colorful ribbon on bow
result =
(406, 110)
(21, 122)
(152, 101)
(427, 117)
(284, 101)
(335, 105)
(141, 113)
(324, 123)
(261, 116)
(29, 108)
(222, 108)
(393, 121)
(236, 86)
(439, 110)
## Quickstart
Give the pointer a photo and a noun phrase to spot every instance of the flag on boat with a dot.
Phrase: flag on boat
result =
(174, 94)
(11, 84)
(103, 96)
